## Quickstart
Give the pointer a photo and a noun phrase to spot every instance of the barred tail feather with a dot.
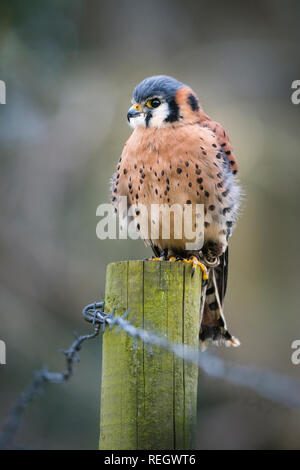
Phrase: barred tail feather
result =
(213, 326)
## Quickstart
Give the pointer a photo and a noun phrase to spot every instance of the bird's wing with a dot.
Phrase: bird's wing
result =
(224, 142)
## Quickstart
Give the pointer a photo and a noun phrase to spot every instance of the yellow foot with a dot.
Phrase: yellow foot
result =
(155, 258)
(195, 262)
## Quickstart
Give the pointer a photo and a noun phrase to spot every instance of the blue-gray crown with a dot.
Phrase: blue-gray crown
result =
(158, 85)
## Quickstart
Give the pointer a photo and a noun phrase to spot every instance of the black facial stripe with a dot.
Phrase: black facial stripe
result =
(192, 100)
(174, 111)
(148, 117)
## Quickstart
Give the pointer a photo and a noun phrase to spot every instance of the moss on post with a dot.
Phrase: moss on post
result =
(148, 396)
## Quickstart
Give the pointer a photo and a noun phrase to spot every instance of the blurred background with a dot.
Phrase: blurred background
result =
(70, 68)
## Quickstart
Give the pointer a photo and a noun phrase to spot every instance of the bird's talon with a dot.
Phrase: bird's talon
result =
(195, 262)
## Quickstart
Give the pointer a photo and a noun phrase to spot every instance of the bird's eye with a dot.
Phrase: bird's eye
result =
(154, 103)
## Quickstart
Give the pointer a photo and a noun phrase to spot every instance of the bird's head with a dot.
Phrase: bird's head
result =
(162, 101)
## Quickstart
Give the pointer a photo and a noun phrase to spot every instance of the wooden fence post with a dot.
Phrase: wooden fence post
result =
(148, 395)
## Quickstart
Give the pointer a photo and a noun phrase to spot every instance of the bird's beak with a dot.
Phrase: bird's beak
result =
(134, 111)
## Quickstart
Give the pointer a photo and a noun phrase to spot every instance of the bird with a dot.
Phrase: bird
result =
(178, 155)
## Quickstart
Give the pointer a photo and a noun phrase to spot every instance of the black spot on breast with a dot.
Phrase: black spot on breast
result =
(198, 172)
(179, 170)
(188, 202)
(193, 102)
(199, 180)
(186, 163)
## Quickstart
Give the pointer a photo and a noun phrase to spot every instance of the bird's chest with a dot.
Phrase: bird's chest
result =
(151, 177)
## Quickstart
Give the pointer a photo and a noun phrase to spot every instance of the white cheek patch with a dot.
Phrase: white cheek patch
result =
(159, 115)
(157, 120)
(138, 121)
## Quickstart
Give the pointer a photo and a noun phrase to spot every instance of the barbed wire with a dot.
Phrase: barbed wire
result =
(270, 385)
(35, 388)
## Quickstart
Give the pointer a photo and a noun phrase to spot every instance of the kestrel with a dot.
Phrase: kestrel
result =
(177, 154)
